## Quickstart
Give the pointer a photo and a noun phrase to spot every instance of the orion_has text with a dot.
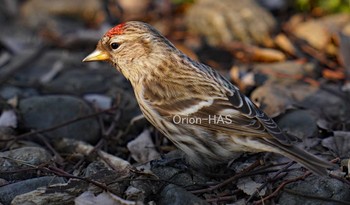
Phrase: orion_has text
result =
(211, 119)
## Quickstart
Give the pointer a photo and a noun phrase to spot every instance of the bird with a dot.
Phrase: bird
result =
(196, 108)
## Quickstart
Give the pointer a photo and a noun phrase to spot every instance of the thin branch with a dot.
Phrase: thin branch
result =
(281, 186)
(276, 176)
(58, 157)
(230, 180)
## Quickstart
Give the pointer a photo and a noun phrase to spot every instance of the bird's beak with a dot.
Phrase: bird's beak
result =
(96, 55)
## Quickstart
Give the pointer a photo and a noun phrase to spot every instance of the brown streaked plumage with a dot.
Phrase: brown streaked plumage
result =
(169, 85)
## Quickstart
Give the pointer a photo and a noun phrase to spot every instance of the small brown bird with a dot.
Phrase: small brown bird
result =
(200, 111)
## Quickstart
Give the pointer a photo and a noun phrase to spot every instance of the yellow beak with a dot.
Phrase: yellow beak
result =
(96, 55)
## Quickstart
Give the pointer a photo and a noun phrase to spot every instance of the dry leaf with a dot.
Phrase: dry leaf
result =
(142, 148)
(339, 143)
(74, 146)
(248, 186)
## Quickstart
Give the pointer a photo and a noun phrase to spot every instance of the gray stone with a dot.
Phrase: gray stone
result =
(8, 192)
(49, 111)
(95, 167)
(82, 81)
(326, 188)
(326, 102)
(22, 158)
(86, 81)
(177, 173)
(8, 92)
(300, 123)
(175, 195)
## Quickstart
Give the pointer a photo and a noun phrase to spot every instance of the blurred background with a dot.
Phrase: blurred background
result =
(61, 119)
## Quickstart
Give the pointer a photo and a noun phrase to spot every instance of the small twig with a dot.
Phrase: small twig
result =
(107, 132)
(309, 50)
(342, 179)
(227, 181)
(272, 179)
(318, 55)
(94, 150)
(221, 199)
(59, 172)
(22, 162)
(229, 196)
(281, 186)
(58, 157)
(131, 123)
(62, 173)
(270, 168)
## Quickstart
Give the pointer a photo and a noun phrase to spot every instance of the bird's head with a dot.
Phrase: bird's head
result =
(134, 48)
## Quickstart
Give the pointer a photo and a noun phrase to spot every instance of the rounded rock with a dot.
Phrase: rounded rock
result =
(49, 111)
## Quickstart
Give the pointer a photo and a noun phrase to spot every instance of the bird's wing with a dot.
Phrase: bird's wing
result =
(220, 116)
(228, 112)
(249, 109)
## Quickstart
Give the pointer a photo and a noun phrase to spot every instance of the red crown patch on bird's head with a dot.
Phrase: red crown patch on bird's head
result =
(117, 30)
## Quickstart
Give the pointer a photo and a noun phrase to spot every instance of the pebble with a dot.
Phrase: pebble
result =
(326, 188)
(81, 81)
(51, 110)
(300, 123)
(22, 158)
(175, 195)
(10, 191)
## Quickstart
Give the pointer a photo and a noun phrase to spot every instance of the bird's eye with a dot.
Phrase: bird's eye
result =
(114, 45)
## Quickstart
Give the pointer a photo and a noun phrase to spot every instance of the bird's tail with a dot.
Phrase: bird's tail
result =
(308, 160)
